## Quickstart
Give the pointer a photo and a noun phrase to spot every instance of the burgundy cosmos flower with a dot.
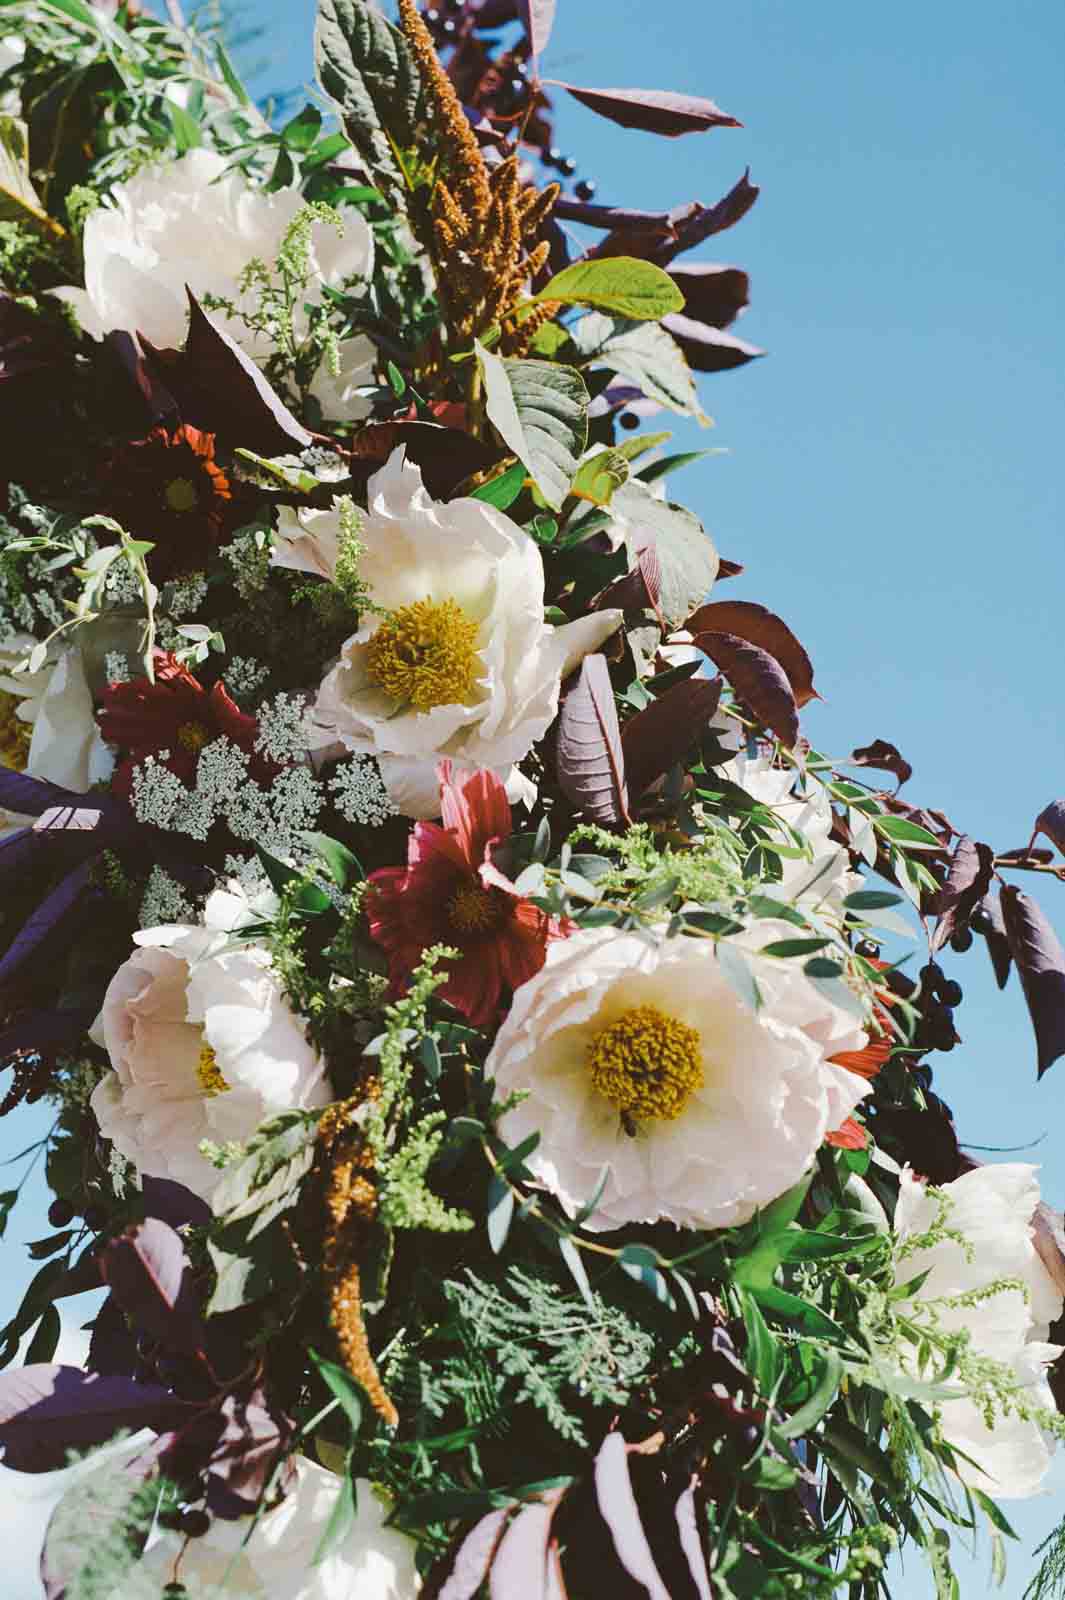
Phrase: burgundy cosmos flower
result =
(168, 488)
(174, 713)
(451, 893)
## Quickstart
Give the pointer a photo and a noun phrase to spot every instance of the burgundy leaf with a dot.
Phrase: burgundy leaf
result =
(885, 757)
(765, 629)
(709, 349)
(729, 569)
(469, 1566)
(537, 18)
(67, 903)
(171, 1202)
(636, 590)
(617, 1504)
(446, 456)
(1027, 852)
(968, 880)
(250, 1444)
(759, 679)
(520, 1570)
(591, 764)
(657, 737)
(46, 1032)
(652, 110)
(113, 1347)
(712, 293)
(218, 387)
(46, 1410)
(1040, 963)
(150, 1275)
(1051, 821)
(158, 400)
(998, 947)
(30, 796)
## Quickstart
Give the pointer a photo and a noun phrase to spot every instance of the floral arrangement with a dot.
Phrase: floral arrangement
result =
(487, 1079)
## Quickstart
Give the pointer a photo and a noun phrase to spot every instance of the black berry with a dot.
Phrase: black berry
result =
(95, 1217)
(868, 949)
(195, 1523)
(172, 1519)
(448, 28)
(900, 984)
(454, 5)
(60, 1212)
(568, 166)
(585, 190)
(981, 920)
(961, 940)
(629, 420)
(553, 157)
(432, 18)
(951, 993)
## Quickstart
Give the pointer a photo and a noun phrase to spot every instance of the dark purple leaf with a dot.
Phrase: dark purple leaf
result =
(537, 18)
(470, 1563)
(591, 764)
(112, 1346)
(652, 110)
(968, 880)
(150, 1275)
(712, 293)
(1027, 852)
(30, 796)
(759, 679)
(695, 223)
(885, 757)
(617, 1505)
(637, 590)
(251, 1442)
(68, 901)
(171, 1202)
(159, 402)
(47, 1032)
(1051, 821)
(446, 456)
(219, 388)
(657, 737)
(1040, 963)
(27, 341)
(709, 349)
(765, 629)
(47, 1410)
(998, 947)
(520, 1569)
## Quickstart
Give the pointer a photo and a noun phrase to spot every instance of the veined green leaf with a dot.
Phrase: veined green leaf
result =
(540, 410)
(624, 285)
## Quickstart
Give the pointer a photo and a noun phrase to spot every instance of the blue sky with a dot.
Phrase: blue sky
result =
(893, 480)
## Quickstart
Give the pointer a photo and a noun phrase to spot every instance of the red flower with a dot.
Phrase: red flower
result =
(175, 713)
(168, 488)
(451, 893)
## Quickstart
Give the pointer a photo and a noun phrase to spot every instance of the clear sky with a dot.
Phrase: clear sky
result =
(893, 480)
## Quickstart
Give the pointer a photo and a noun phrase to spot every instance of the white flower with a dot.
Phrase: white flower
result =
(337, 393)
(203, 1044)
(464, 666)
(47, 723)
(986, 1239)
(190, 222)
(640, 1057)
(12, 50)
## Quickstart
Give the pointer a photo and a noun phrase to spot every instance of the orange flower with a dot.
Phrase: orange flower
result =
(867, 1063)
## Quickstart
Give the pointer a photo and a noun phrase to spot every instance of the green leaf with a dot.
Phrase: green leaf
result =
(871, 900)
(301, 131)
(812, 1410)
(901, 831)
(763, 1359)
(343, 1387)
(502, 491)
(600, 475)
(821, 967)
(794, 947)
(365, 64)
(42, 1346)
(640, 1264)
(737, 970)
(500, 1212)
(343, 865)
(232, 81)
(643, 352)
(187, 132)
(19, 200)
(624, 285)
(686, 553)
(994, 1513)
(8, 1200)
(540, 410)
(668, 464)
(798, 1314)
(571, 1255)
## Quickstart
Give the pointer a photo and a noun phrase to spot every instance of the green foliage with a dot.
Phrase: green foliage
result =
(540, 410)
(365, 65)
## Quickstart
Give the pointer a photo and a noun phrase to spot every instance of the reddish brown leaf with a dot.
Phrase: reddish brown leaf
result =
(657, 737)
(591, 763)
(885, 757)
(709, 349)
(758, 678)
(1041, 964)
(637, 590)
(968, 880)
(652, 110)
(763, 628)
(46, 1410)
(729, 569)
(998, 947)
(1026, 852)
(252, 1440)
(713, 294)
(446, 456)
(537, 18)
(1051, 821)
(150, 1275)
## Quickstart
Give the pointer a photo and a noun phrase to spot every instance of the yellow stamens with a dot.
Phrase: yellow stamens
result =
(425, 655)
(211, 1079)
(15, 734)
(180, 494)
(473, 909)
(193, 735)
(647, 1063)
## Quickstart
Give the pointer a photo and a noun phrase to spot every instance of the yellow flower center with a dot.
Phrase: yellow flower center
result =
(193, 735)
(425, 654)
(15, 734)
(473, 909)
(180, 494)
(211, 1079)
(647, 1063)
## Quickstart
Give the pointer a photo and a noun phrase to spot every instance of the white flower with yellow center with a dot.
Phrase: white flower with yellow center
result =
(47, 723)
(193, 222)
(637, 1055)
(204, 1045)
(462, 664)
(973, 1238)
